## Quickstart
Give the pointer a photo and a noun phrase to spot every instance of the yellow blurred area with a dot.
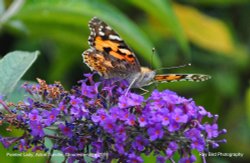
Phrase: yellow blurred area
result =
(207, 32)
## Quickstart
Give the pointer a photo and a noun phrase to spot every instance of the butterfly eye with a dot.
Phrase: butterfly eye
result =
(149, 75)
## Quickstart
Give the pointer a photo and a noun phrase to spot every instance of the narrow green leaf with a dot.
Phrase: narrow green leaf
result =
(166, 16)
(12, 68)
(10, 11)
(248, 105)
(2, 7)
(219, 2)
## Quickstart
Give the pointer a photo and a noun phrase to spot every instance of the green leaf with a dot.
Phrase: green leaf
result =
(12, 68)
(166, 16)
(219, 2)
(12, 9)
(19, 93)
(2, 7)
(248, 105)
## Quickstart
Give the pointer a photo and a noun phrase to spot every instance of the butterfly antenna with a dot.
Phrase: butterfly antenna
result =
(152, 58)
(173, 67)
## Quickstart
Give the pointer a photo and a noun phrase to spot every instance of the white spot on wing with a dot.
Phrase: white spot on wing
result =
(108, 28)
(126, 51)
(114, 37)
(101, 33)
(100, 28)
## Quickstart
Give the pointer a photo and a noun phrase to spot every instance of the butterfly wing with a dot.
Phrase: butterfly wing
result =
(181, 77)
(105, 66)
(109, 55)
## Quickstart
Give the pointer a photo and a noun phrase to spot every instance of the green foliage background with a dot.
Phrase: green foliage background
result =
(213, 35)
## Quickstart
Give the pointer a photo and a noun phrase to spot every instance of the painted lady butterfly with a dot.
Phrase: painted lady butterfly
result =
(111, 57)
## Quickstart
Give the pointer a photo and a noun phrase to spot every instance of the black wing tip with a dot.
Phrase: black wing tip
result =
(95, 20)
(202, 78)
(207, 77)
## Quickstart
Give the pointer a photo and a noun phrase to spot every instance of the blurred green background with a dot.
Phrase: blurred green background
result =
(213, 35)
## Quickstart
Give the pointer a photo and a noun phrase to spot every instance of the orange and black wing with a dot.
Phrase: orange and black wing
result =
(181, 77)
(109, 55)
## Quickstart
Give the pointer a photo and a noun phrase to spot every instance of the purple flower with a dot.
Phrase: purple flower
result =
(161, 159)
(115, 112)
(90, 91)
(79, 112)
(198, 143)
(178, 116)
(65, 130)
(131, 120)
(202, 111)
(155, 132)
(6, 142)
(124, 115)
(187, 159)
(140, 143)
(212, 130)
(99, 118)
(37, 148)
(123, 101)
(132, 158)
(135, 99)
(120, 133)
(156, 95)
(193, 134)
(130, 100)
(119, 147)
(89, 78)
(170, 97)
(50, 116)
(97, 147)
(172, 148)
(109, 125)
(34, 115)
(75, 101)
(173, 126)
(62, 107)
(165, 117)
(23, 145)
(69, 149)
(142, 121)
(81, 142)
(29, 102)
(109, 89)
(36, 128)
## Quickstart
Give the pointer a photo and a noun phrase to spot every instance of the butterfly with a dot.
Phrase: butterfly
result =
(111, 57)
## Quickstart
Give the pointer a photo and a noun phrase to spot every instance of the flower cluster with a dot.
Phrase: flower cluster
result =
(99, 121)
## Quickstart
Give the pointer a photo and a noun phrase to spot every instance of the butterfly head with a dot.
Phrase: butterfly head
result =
(145, 78)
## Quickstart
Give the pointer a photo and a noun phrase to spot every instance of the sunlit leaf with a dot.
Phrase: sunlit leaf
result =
(205, 31)
(12, 68)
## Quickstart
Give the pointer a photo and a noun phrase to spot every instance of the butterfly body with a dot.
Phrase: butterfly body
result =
(111, 57)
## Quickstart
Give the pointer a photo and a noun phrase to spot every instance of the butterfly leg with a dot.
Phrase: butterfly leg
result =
(145, 91)
(131, 84)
